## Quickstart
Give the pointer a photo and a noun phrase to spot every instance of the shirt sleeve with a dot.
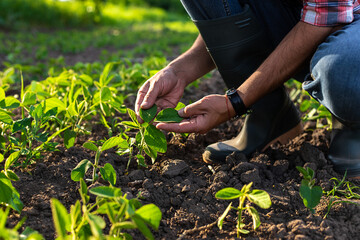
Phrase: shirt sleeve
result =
(327, 12)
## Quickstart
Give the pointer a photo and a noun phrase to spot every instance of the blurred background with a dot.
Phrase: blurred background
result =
(43, 37)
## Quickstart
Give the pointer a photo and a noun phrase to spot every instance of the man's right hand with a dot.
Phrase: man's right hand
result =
(164, 89)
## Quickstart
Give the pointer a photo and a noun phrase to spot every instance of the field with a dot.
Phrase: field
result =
(75, 163)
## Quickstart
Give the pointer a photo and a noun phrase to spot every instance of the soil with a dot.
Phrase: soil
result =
(184, 187)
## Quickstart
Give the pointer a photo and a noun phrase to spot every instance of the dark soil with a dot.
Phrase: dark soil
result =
(184, 187)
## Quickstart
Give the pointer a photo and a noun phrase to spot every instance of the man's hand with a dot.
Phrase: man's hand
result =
(202, 115)
(164, 88)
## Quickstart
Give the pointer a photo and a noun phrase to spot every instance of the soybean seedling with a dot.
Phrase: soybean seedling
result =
(259, 197)
(309, 193)
(107, 172)
(85, 220)
(149, 139)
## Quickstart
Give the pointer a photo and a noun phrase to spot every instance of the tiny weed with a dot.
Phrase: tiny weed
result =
(340, 189)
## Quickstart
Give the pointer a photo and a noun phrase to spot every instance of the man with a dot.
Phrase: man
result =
(257, 45)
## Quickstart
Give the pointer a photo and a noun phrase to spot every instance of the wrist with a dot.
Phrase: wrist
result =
(237, 103)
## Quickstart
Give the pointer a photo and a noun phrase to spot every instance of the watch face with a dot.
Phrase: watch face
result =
(231, 91)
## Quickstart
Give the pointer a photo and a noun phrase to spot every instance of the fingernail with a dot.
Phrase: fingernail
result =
(181, 112)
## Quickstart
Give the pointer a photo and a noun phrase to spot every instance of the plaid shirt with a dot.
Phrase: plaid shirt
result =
(329, 12)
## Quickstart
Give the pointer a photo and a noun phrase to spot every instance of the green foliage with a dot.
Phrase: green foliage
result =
(341, 189)
(311, 108)
(107, 171)
(85, 220)
(258, 197)
(149, 139)
(12, 234)
(310, 193)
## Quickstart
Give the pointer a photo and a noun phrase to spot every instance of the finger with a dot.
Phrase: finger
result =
(191, 110)
(140, 96)
(150, 97)
(186, 126)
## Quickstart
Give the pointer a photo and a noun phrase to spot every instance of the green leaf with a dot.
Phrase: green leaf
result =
(86, 79)
(11, 175)
(2, 94)
(11, 102)
(29, 99)
(1, 157)
(148, 114)
(21, 124)
(228, 193)
(105, 94)
(83, 191)
(75, 213)
(155, 139)
(124, 225)
(260, 198)
(90, 146)
(11, 159)
(142, 227)
(223, 216)
(60, 217)
(104, 75)
(302, 171)
(54, 102)
(111, 142)
(69, 138)
(96, 225)
(108, 173)
(5, 117)
(168, 115)
(311, 196)
(151, 214)
(106, 192)
(141, 160)
(179, 106)
(133, 117)
(30, 234)
(130, 124)
(80, 170)
(255, 217)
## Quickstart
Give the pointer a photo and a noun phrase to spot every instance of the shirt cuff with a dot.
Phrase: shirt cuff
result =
(318, 13)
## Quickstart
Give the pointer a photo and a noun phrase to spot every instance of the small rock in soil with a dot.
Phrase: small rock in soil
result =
(243, 167)
(175, 168)
(280, 167)
(221, 177)
(137, 175)
(251, 176)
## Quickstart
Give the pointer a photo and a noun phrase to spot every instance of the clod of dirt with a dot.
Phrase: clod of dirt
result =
(175, 168)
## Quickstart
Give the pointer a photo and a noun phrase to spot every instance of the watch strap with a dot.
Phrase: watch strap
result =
(236, 102)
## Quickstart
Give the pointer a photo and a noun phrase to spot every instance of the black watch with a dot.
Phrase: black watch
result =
(236, 102)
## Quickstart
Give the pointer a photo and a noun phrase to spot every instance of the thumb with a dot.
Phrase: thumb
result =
(190, 110)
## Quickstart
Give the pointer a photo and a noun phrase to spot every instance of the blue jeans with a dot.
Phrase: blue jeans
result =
(335, 66)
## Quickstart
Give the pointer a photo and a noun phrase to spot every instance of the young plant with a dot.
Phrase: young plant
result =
(9, 195)
(259, 197)
(6, 233)
(340, 190)
(85, 219)
(149, 139)
(310, 193)
(107, 172)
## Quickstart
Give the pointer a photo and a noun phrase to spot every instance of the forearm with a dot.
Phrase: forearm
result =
(194, 63)
(296, 47)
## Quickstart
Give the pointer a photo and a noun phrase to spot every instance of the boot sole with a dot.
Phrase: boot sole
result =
(282, 139)
(286, 137)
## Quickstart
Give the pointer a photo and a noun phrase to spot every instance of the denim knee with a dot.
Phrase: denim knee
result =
(336, 75)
